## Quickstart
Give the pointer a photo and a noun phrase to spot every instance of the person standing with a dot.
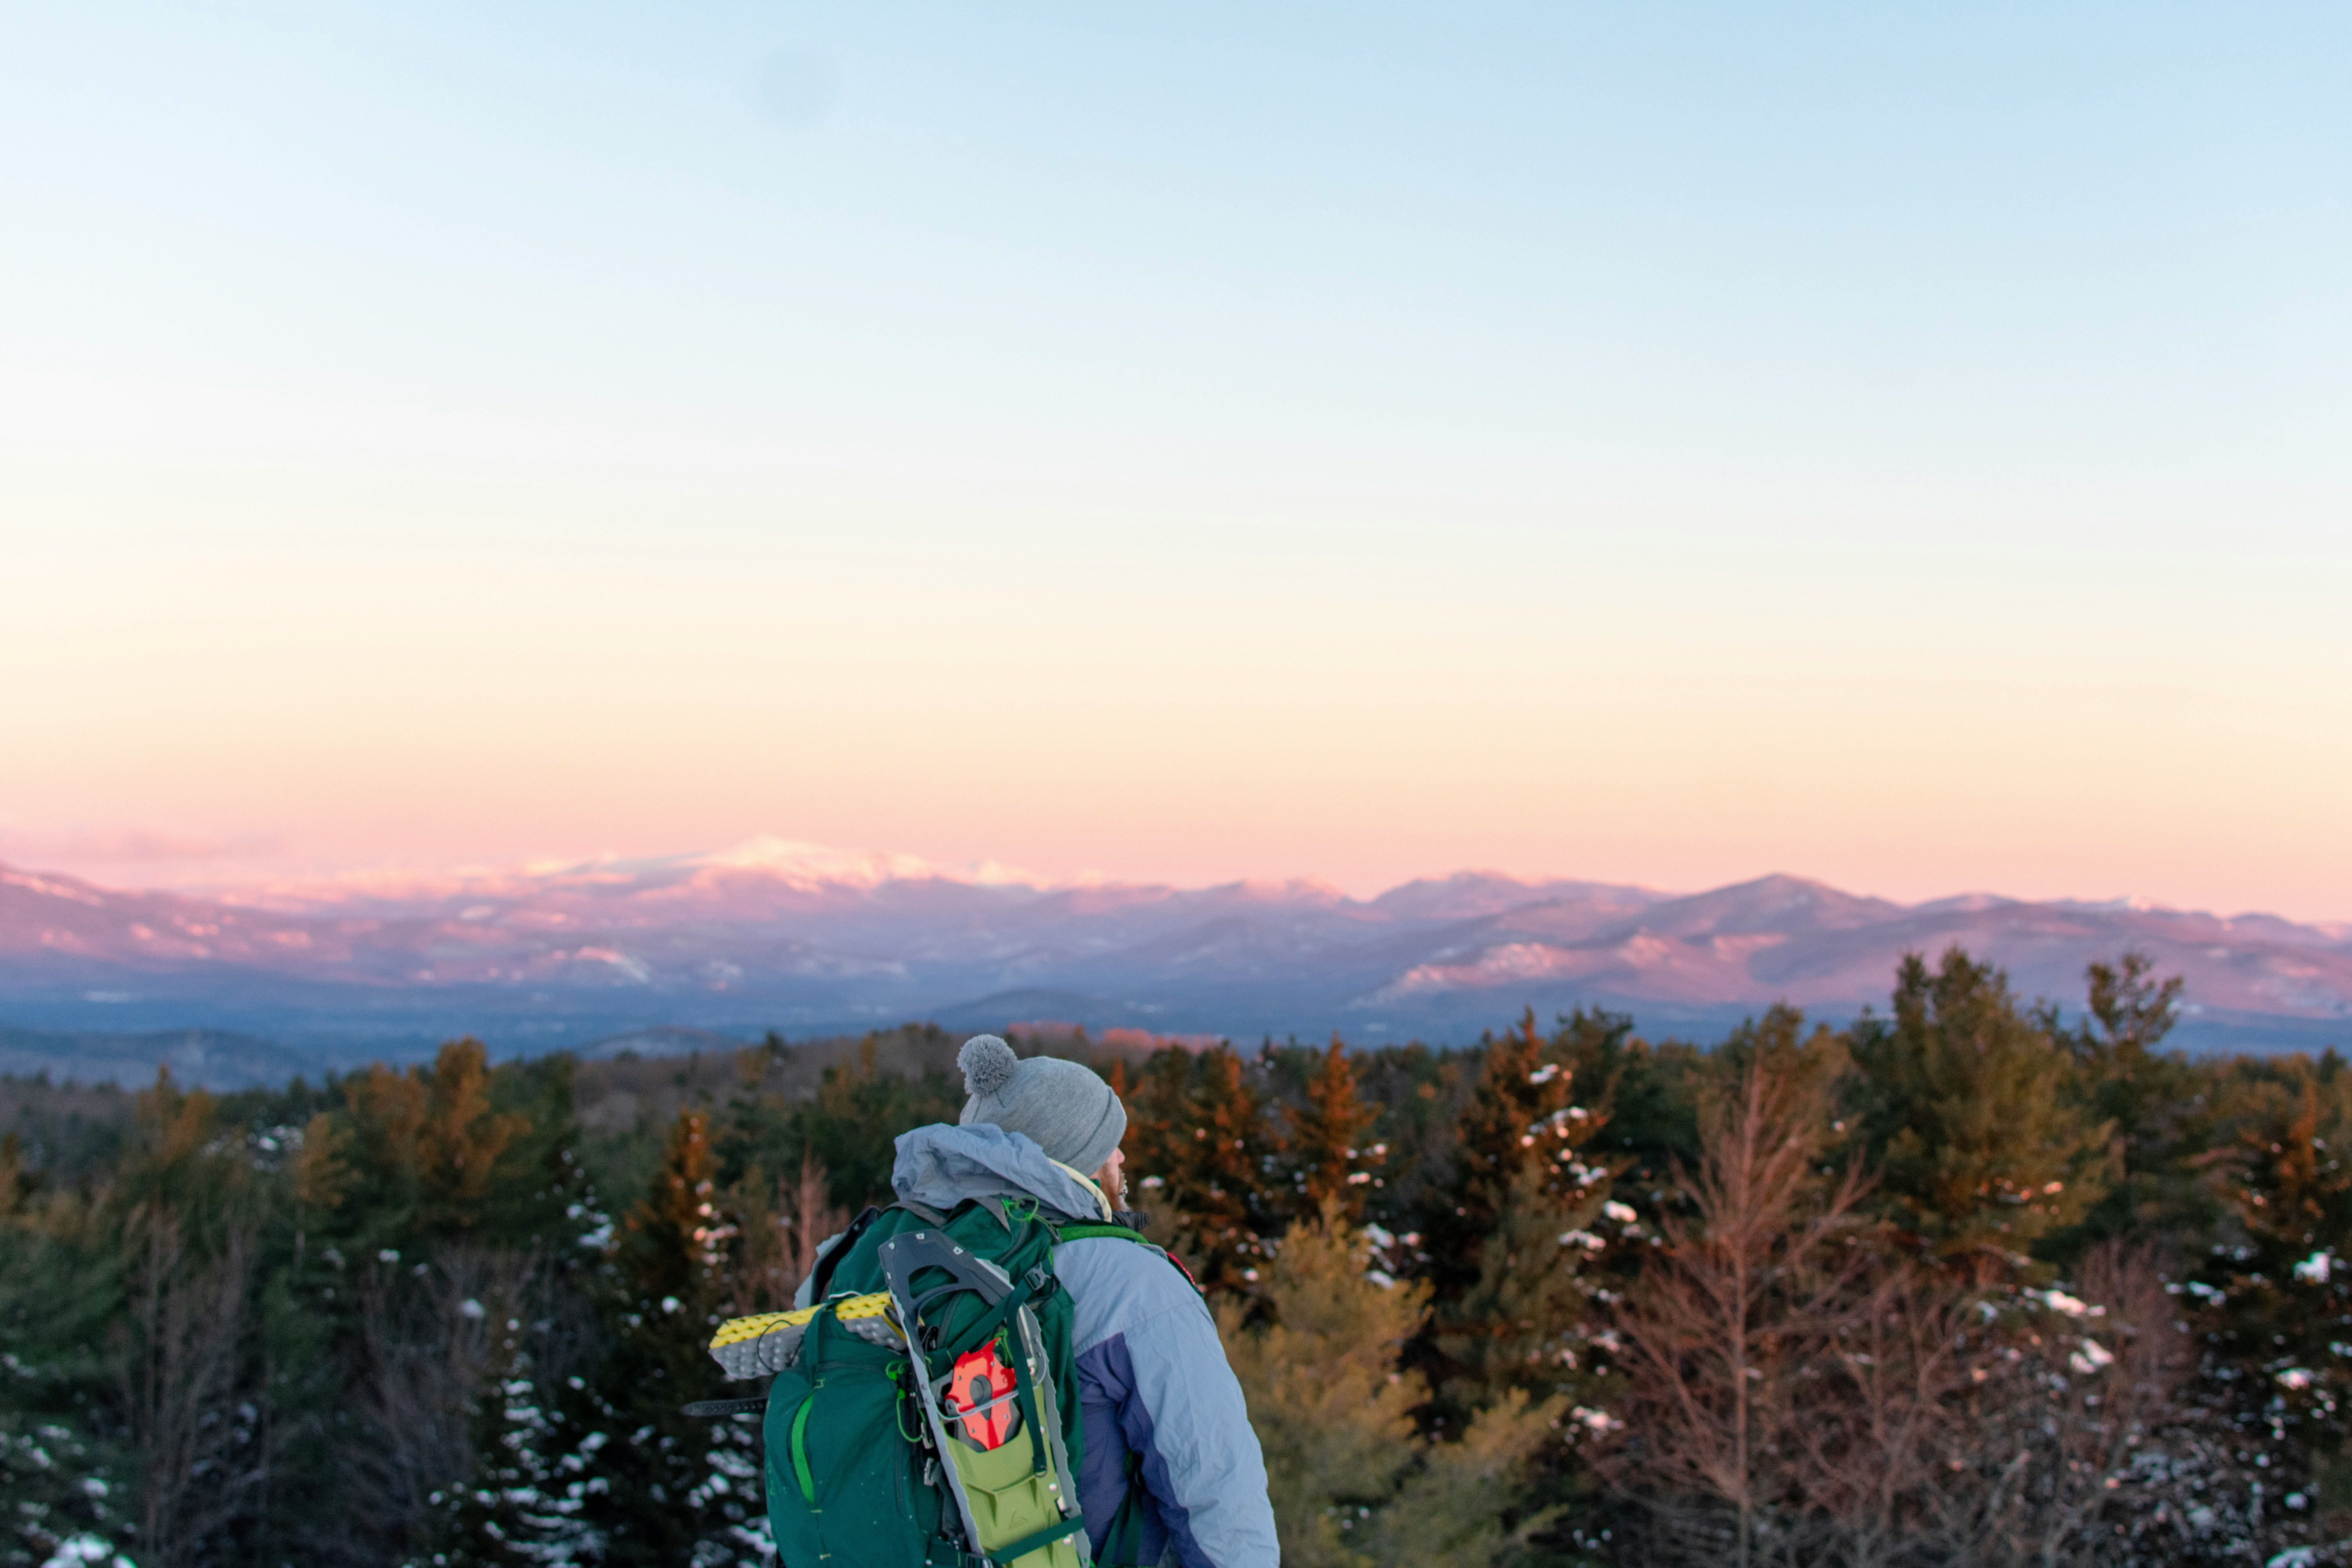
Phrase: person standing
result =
(1170, 1474)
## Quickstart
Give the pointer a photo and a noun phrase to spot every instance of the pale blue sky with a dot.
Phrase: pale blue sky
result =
(1800, 383)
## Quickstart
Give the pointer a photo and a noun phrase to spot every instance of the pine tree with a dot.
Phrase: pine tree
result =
(858, 1110)
(432, 1148)
(63, 1468)
(451, 1181)
(524, 1504)
(1419, 1093)
(2275, 1295)
(1352, 1485)
(2160, 1125)
(1327, 1159)
(1983, 1145)
(1202, 1146)
(1517, 1325)
(1158, 1142)
(1517, 1116)
(650, 1504)
(1521, 1322)
(1647, 1092)
(1223, 1188)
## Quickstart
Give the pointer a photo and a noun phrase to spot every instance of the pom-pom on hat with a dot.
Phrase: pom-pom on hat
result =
(1060, 1106)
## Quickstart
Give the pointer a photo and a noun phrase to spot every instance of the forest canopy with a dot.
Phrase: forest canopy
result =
(1970, 1280)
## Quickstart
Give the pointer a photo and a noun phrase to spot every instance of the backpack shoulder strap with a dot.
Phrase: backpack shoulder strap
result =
(821, 1276)
(1091, 1231)
(820, 1280)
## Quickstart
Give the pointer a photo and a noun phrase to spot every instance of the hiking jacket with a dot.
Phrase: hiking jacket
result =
(1161, 1406)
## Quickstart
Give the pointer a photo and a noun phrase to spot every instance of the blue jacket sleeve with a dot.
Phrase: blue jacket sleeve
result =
(1184, 1417)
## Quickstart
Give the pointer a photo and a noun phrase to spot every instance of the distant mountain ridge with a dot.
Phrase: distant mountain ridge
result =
(214, 1057)
(773, 934)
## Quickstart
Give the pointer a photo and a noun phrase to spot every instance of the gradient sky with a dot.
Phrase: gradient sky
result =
(1899, 445)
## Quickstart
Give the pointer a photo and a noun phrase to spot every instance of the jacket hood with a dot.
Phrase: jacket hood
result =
(940, 1166)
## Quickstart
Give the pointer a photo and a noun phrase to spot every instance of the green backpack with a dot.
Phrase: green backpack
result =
(925, 1410)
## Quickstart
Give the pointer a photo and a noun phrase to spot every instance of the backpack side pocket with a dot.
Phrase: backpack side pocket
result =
(840, 1470)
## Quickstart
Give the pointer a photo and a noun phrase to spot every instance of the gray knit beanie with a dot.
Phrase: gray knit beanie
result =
(1060, 1106)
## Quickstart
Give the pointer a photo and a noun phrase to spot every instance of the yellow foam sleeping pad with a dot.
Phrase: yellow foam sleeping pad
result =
(765, 1344)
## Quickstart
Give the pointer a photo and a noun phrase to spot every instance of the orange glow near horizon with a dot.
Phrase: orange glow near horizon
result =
(1188, 715)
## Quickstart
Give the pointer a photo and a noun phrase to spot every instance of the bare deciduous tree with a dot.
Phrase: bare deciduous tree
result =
(2083, 1441)
(182, 1382)
(1755, 1284)
(428, 1347)
(1872, 1432)
(781, 1227)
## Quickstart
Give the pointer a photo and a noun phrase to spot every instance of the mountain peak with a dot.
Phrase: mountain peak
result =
(1291, 889)
(785, 933)
(793, 859)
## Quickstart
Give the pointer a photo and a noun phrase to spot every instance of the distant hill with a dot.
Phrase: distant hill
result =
(213, 1058)
(667, 1040)
(811, 942)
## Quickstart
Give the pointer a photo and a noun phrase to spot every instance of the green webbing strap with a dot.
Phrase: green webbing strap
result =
(981, 1332)
(1028, 1543)
(1121, 1233)
(797, 1444)
(1090, 1232)
(800, 1452)
(1025, 1399)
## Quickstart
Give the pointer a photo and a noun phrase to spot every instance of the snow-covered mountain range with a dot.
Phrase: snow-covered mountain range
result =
(773, 934)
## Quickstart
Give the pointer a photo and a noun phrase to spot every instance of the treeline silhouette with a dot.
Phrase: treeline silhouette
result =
(1966, 1282)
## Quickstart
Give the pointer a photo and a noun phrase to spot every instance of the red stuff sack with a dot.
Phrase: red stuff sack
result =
(980, 1398)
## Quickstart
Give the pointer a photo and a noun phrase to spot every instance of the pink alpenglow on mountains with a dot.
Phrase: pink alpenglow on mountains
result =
(808, 939)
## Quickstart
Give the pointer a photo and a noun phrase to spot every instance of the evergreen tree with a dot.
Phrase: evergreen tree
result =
(440, 1160)
(1534, 1219)
(1517, 1116)
(1352, 1486)
(64, 1474)
(2161, 1122)
(1419, 1093)
(1983, 1146)
(1158, 1142)
(858, 1112)
(384, 1319)
(662, 1303)
(449, 1182)
(1328, 1159)
(1222, 1188)
(526, 1499)
(2275, 1291)
(1649, 1095)
(1521, 1323)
